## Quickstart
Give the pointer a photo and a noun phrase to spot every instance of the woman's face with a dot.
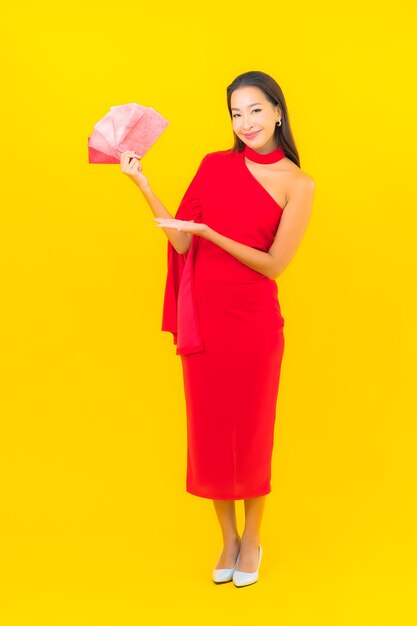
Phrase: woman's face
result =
(253, 113)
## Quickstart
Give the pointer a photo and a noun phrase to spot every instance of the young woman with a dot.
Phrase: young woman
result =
(237, 228)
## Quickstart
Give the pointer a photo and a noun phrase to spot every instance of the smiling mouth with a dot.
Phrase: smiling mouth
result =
(252, 134)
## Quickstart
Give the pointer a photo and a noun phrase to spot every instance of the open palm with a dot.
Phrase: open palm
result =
(188, 226)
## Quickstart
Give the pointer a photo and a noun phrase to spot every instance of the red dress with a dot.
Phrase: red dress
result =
(227, 325)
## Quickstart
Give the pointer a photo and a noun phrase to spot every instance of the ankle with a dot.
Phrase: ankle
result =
(251, 539)
(231, 539)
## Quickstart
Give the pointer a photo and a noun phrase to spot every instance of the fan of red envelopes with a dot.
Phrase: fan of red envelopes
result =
(125, 127)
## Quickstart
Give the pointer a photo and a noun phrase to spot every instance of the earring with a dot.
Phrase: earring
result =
(279, 123)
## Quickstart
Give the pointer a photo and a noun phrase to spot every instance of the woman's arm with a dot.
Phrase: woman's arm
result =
(252, 257)
(131, 166)
(180, 240)
(293, 224)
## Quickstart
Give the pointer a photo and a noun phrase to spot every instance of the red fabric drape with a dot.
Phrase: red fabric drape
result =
(180, 314)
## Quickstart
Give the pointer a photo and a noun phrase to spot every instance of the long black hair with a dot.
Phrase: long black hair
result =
(273, 93)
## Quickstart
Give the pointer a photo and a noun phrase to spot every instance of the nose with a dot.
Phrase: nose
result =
(246, 123)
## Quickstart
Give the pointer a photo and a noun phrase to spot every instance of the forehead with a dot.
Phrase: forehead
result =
(244, 96)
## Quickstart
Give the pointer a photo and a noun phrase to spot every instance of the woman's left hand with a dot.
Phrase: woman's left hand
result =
(188, 226)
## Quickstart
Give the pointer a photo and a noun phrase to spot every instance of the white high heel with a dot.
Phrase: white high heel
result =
(241, 579)
(225, 574)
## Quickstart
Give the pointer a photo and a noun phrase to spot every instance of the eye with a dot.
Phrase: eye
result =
(252, 112)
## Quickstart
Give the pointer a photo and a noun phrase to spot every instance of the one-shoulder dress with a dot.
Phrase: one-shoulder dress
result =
(227, 326)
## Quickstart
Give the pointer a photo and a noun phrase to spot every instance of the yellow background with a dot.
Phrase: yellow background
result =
(97, 527)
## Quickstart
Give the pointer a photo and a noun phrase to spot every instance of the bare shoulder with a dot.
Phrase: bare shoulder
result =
(299, 183)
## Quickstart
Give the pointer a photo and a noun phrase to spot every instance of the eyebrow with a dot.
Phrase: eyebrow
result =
(249, 105)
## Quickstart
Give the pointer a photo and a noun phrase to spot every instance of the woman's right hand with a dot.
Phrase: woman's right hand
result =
(131, 166)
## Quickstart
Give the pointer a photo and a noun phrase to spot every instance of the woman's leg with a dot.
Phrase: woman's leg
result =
(249, 555)
(226, 514)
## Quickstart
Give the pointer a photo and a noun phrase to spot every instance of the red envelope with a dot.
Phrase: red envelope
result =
(126, 127)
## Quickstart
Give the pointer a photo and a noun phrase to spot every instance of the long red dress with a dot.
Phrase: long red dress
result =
(227, 325)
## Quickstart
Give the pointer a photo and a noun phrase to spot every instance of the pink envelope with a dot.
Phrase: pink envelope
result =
(126, 127)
